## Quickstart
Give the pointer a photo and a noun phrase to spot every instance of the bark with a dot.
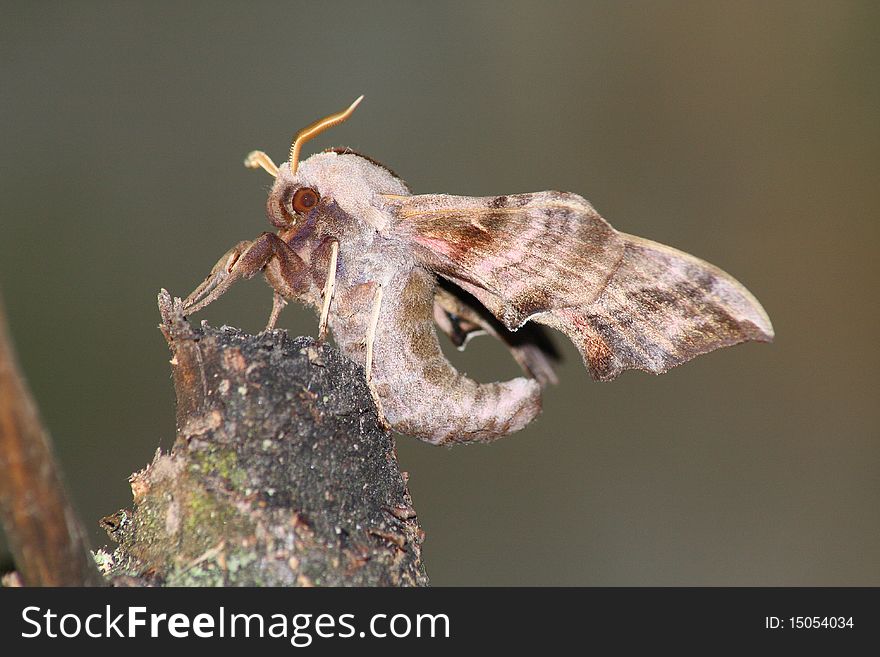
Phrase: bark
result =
(280, 474)
(45, 536)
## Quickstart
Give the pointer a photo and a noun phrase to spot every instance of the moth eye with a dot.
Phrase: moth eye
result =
(305, 199)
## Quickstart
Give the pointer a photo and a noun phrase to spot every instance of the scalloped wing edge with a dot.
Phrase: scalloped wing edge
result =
(660, 308)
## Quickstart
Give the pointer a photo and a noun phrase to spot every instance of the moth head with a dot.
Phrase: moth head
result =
(325, 184)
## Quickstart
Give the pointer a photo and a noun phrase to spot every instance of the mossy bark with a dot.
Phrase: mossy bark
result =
(280, 475)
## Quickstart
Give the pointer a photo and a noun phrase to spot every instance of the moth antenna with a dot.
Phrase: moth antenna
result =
(316, 129)
(257, 159)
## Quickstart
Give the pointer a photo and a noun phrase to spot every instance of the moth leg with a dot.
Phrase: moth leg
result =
(329, 287)
(368, 367)
(371, 331)
(278, 304)
(244, 260)
(459, 316)
(212, 280)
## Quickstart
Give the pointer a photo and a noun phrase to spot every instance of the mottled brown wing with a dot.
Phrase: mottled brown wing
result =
(626, 302)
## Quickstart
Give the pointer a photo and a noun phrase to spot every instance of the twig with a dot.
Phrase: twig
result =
(45, 536)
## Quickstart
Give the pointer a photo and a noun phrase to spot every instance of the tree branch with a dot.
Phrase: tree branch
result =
(46, 538)
(280, 474)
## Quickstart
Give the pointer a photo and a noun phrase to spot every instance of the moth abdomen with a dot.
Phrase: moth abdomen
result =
(419, 391)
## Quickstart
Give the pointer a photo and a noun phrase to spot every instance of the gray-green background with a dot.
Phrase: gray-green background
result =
(743, 132)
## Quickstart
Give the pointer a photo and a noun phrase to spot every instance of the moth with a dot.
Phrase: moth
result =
(384, 268)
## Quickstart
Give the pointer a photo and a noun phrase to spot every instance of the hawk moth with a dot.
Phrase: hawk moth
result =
(384, 267)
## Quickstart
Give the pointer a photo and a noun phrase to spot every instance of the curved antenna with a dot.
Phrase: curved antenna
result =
(317, 128)
(257, 159)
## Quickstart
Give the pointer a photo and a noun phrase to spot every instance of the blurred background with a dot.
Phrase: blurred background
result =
(744, 132)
